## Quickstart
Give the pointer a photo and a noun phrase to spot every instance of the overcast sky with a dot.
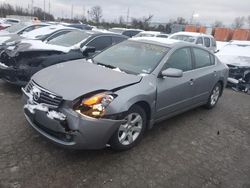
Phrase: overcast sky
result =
(163, 10)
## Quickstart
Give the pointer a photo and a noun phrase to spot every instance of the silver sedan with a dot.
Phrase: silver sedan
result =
(113, 98)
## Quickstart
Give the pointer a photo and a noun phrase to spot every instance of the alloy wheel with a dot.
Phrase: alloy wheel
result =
(215, 95)
(131, 129)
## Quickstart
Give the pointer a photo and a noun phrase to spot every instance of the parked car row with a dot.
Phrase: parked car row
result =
(87, 89)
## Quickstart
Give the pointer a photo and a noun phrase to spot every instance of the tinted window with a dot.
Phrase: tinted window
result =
(101, 43)
(116, 40)
(162, 36)
(199, 41)
(31, 28)
(207, 42)
(57, 34)
(69, 39)
(202, 58)
(130, 33)
(180, 59)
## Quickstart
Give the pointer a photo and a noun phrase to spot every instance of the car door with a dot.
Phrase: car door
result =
(175, 94)
(204, 74)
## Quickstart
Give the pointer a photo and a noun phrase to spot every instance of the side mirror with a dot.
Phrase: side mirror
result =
(86, 50)
(216, 51)
(171, 72)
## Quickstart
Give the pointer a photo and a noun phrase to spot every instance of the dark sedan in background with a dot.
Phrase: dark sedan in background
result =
(17, 65)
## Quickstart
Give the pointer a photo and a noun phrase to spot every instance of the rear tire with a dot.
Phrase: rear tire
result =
(131, 132)
(214, 96)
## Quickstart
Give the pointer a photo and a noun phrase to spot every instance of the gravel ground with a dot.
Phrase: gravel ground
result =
(200, 148)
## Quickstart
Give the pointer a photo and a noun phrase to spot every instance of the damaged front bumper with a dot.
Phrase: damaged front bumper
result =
(239, 78)
(14, 76)
(67, 128)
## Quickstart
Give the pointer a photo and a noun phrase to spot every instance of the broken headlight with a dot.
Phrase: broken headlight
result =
(95, 105)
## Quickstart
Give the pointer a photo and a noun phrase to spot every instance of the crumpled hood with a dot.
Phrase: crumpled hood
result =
(37, 45)
(76, 78)
(240, 61)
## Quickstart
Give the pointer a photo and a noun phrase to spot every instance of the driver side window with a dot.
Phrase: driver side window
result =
(180, 59)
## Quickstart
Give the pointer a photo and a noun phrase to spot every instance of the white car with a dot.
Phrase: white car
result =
(152, 34)
(207, 41)
(236, 55)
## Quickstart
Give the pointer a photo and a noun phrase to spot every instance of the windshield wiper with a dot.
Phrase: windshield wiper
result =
(106, 65)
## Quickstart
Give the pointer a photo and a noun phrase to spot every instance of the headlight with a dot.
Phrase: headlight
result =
(95, 106)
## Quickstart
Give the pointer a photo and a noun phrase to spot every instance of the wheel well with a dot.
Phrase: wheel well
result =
(145, 106)
(222, 86)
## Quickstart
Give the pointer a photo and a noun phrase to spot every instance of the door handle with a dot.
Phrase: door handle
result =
(191, 82)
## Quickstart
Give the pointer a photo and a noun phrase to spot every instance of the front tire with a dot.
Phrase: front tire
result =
(131, 132)
(214, 96)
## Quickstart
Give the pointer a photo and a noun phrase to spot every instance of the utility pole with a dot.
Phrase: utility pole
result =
(127, 17)
(72, 11)
(44, 17)
(32, 7)
(49, 6)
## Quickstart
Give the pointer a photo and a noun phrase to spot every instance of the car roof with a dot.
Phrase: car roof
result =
(170, 43)
(99, 33)
(191, 34)
(158, 41)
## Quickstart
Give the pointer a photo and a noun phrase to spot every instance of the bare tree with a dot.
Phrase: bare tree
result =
(181, 20)
(96, 14)
(218, 24)
(239, 22)
(141, 23)
(121, 20)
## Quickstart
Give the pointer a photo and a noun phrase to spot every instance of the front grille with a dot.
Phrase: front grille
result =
(41, 95)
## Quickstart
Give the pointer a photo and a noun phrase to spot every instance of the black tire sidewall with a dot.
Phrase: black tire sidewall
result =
(114, 141)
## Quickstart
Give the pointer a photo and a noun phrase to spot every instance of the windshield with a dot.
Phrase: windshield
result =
(16, 27)
(184, 38)
(132, 57)
(69, 39)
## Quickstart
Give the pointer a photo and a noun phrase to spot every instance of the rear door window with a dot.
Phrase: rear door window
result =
(199, 41)
(202, 58)
(207, 42)
(180, 59)
(101, 43)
